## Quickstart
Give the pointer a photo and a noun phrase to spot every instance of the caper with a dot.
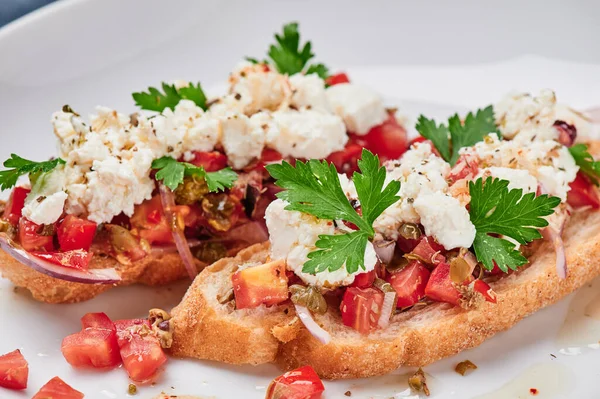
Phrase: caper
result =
(309, 297)
(397, 263)
(385, 287)
(410, 231)
(121, 239)
(217, 210)
(460, 270)
(132, 389)
(191, 190)
(210, 252)
(4, 225)
(161, 327)
(463, 367)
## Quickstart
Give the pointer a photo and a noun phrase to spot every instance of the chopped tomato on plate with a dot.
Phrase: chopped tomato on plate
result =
(140, 350)
(15, 204)
(76, 233)
(14, 370)
(409, 283)
(301, 383)
(387, 140)
(583, 193)
(429, 251)
(264, 284)
(76, 259)
(57, 389)
(337, 79)
(95, 345)
(31, 239)
(364, 280)
(361, 308)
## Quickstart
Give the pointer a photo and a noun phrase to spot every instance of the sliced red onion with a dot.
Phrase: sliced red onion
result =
(93, 276)
(170, 248)
(311, 325)
(385, 250)
(386, 309)
(252, 232)
(168, 202)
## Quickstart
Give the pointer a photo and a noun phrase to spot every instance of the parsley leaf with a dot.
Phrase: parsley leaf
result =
(154, 100)
(172, 172)
(336, 250)
(586, 162)
(289, 56)
(314, 187)
(439, 135)
(21, 166)
(472, 131)
(494, 209)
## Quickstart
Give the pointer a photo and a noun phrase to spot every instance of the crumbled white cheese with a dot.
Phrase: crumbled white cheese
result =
(243, 138)
(45, 210)
(309, 92)
(306, 134)
(445, 219)
(293, 236)
(419, 172)
(360, 108)
(259, 88)
(517, 178)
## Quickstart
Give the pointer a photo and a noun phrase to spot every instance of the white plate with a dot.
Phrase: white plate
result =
(97, 52)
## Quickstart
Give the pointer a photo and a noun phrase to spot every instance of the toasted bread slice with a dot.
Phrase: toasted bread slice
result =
(206, 329)
(154, 269)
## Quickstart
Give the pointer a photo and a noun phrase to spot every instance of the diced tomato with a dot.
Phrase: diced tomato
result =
(15, 204)
(387, 140)
(345, 161)
(268, 156)
(440, 288)
(92, 347)
(484, 289)
(418, 139)
(364, 280)
(264, 284)
(151, 223)
(429, 251)
(97, 320)
(302, 383)
(409, 283)
(467, 166)
(210, 161)
(337, 79)
(57, 389)
(75, 233)
(140, 350)
(496, 271)
(361, 308)
(583, 193)
(31, 240)
(406, 245)
(14, 370)
(76, 259)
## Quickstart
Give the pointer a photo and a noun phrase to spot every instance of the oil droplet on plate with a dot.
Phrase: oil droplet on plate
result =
(389, 386)
(580, 331)
(541, 381)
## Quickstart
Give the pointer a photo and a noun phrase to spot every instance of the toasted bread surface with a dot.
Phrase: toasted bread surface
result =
(206, 329)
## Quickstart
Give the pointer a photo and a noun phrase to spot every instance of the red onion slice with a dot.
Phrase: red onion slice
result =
(386, 309)
(385, 250)
(168, 202)
(93, 276)
(311, 325)
(170, 248)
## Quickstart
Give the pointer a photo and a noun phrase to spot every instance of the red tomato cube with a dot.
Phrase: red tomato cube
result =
(364, 280)
(409, 283)
(337, 79)
(76, 233)
(14, 370)
(31, 239)
(440, 287)
(302, 383)
(387, 140)
(57, 389)
(15, 204)
(361, 308)
(210, 161)
(92, 347)
(264, 284)
(140, 350)
(429, 251)
(76, 259)
(97, 320)
(583, 193)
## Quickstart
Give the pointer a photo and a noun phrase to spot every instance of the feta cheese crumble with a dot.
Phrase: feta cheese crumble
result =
(293, 236)
(359, 107)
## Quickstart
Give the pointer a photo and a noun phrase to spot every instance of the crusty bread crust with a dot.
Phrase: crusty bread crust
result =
(154, 269)
(206, 330)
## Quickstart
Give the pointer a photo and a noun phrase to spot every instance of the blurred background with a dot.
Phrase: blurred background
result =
(13, 9)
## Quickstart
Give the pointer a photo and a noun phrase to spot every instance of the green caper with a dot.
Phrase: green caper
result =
(309, 297)
(192, 190)
(132, 389)
(410, 231)
(464, 366)
(384, 287)
(418, 383)
(210, 252)
(459, 270)
(120, 238)
(397, 263)
(218, 208)
(4, 225)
